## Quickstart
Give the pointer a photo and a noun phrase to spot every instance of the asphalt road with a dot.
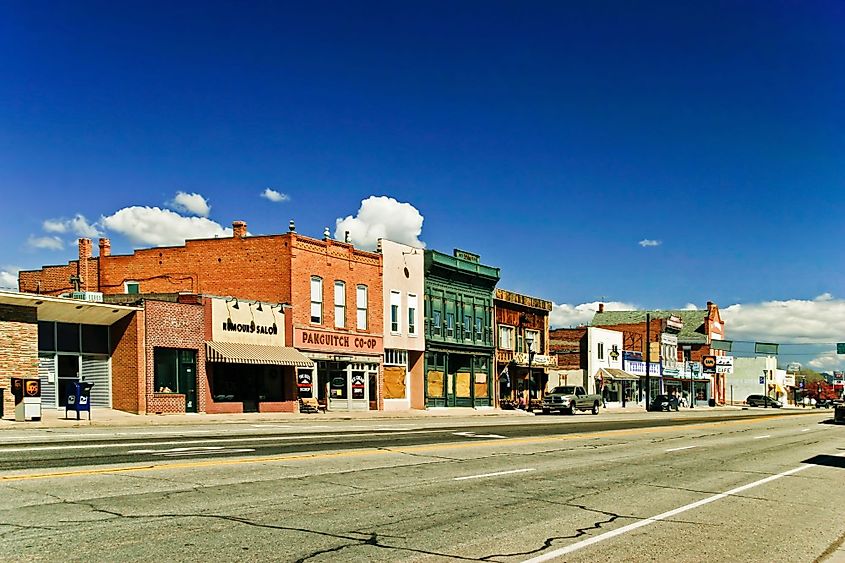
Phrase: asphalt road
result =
(644, 488)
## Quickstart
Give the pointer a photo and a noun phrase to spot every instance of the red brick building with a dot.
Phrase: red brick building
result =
(521, 320)
(330, 290)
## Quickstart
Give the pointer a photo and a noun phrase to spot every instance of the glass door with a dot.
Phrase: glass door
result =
(68, 374)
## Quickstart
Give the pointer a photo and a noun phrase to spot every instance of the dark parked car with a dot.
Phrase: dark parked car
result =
(762, 401)
(663, 403)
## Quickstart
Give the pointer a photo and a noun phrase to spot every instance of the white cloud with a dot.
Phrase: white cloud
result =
(45, 243)
(9, 278)
(828, 361)
(690, 307)
(153, 226)
(567, 315)
(195, 204)
(274, 196)
(78, 225)
(646, 242)
(382, 217)
(793, 321)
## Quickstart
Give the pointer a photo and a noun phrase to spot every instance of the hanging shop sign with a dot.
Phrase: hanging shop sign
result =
(669, 339)
(708, 364)
(245, 322)
(538, 360)
(331, 341)
(789, 380)
(674, 323)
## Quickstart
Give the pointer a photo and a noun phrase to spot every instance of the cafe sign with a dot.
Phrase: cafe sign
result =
(245, 322)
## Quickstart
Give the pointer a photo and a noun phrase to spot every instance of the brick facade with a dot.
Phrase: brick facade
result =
(128, 364)
(570, 347)
(174, 325)
(18, 349)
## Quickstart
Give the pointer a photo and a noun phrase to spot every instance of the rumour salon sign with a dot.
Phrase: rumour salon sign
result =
(330, 341)
(246, 324)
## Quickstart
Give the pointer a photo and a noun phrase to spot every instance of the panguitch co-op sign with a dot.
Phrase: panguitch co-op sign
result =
(331, 341)
(246, 324)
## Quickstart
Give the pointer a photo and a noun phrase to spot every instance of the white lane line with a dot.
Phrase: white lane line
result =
(483, 475)
(761, 437)
(679, 449)
(805, 430)
(214, 441)
(631, 527)
(474, 435)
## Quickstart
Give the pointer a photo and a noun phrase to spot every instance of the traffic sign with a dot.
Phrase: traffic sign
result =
(840, 348)
(762, 379)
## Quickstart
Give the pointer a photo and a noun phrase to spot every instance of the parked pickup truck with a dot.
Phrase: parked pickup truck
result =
(569, 398)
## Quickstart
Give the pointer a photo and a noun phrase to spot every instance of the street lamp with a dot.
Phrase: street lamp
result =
(529, 342)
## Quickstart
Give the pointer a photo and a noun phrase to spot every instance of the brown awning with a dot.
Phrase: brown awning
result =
(617, 375)
(231, 353)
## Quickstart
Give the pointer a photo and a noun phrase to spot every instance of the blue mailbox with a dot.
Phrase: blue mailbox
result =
(79, 398)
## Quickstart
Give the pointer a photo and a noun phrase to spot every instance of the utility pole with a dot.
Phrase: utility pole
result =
(647, 359)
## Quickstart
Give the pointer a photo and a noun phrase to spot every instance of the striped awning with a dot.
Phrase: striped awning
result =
(617, 375)
(232, 353)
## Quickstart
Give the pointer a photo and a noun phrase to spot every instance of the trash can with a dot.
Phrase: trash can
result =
(711, 403)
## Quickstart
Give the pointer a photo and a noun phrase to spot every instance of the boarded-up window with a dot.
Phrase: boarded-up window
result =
(462, 384)
(394, 382)
(481, 387)
(435, 384)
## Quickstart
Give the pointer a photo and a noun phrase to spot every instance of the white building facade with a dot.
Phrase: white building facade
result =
(404, 343)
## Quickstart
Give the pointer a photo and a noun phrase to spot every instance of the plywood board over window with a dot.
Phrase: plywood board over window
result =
(394, 382)
(435, 384)
(462, 384)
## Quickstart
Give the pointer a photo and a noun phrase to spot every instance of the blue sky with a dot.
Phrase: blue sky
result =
(551, 138)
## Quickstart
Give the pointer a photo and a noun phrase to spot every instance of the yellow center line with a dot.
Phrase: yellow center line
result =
(528, 440)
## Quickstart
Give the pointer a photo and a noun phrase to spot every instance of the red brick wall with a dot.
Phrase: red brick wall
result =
(128, 364)
(51, 280)
(250, 268)
(18, 349)
(174, 325)
(634, 334)
(570, 347)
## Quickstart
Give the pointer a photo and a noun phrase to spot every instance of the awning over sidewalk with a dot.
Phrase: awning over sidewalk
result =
(617, 375)
(232, 353)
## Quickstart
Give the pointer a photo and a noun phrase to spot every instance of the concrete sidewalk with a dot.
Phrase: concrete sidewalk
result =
(52, 418)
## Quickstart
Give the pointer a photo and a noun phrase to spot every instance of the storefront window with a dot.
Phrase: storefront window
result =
(95, 339)
(46, 336)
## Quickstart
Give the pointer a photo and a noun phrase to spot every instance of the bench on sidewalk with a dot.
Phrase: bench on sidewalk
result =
(310, 406)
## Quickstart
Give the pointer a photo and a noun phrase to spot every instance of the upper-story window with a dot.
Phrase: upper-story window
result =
(450, 324)
(316, 300)
(339, 304)
(467, 327)
(601, 350)
(412, 314)
(395, 304)
(479, 327)
(534, 337)
(435, 322)
(361, 303)
(505, 337)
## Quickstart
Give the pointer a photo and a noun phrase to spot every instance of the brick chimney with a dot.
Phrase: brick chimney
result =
(238, 229)
(105, 247)
(601, 307)
(84, 257)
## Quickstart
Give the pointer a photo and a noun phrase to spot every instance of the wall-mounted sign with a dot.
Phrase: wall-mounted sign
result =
(670, 339)
(708, 364)
(789, 380)
(303, 380)
(793, 367)
(326, 340)
(246, 324)
(538, 360)
(468, 256)
(636, 367)
(674, 323)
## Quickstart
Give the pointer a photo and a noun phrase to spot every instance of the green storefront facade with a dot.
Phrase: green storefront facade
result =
(460, 345)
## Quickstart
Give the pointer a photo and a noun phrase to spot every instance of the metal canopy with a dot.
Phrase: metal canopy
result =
(65, 310)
